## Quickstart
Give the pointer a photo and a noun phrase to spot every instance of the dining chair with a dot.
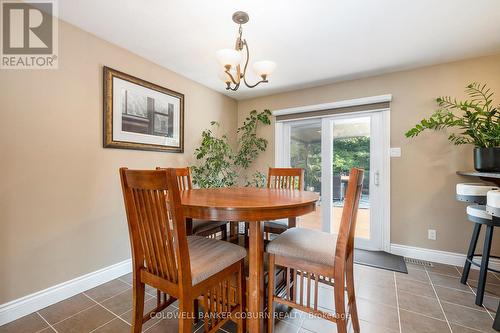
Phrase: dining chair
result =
(314, 257)
(199, 227)
(187, 268)
(283, 178)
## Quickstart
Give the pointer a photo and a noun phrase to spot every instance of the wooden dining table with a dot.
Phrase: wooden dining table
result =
(252, 205)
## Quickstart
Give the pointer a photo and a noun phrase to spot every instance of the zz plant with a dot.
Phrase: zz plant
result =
(477, 120)
(218, 165)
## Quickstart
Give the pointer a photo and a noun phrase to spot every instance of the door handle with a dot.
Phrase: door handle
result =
(376, 179)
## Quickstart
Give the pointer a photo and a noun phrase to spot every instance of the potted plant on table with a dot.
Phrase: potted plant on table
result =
(477, 121)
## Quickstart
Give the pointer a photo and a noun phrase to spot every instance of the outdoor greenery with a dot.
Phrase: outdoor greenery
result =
(347, 153)
(476, 119)
(218, 165)
(351, 152)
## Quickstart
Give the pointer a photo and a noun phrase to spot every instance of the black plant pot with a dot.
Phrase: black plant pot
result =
(487, 159)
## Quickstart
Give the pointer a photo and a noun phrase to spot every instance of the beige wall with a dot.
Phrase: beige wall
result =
(423, 179)
(61, 210)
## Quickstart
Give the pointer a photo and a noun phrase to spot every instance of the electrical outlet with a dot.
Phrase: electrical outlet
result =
(432, 234)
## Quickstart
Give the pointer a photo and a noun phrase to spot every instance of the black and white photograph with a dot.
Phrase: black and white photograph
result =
(141, 115)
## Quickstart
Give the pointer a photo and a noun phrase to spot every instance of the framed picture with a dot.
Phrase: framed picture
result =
(141, 115)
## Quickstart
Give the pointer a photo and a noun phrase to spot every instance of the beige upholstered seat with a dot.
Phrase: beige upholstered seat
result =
(210, 256)
(201, 226)
(309, 245)
(277, 224)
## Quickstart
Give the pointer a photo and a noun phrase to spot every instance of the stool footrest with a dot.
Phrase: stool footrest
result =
(478, 264)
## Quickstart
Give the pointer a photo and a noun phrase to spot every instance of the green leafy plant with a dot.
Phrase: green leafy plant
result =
(218, 165)
(216, 160)
(477, 120)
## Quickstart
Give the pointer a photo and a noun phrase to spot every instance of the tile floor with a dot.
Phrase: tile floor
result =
(428, 299)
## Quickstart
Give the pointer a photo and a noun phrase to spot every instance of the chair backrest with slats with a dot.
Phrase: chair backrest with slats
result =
(345, 238)
(286, 178)
(183, 178)
(155, 220)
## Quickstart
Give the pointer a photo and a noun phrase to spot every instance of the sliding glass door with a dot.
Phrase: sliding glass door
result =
(327, 148)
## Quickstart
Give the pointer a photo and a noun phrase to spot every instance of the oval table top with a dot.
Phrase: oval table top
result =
(246, 203)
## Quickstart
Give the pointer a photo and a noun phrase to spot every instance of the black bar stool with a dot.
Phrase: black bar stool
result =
(493, 208)
(476, 193)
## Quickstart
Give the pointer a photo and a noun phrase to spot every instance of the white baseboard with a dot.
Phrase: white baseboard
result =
(442, 257)
(25, 305)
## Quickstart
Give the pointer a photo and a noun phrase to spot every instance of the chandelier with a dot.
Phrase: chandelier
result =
(231, 60)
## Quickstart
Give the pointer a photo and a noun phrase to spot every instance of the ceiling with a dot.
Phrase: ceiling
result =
(312, 42)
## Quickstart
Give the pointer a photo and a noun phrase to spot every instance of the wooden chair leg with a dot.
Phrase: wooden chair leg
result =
(196, 311)
(224, 233)
(351, 294)
(186, 308)
(242, 296)
(340, 303)
(270, 294)
(137, 305)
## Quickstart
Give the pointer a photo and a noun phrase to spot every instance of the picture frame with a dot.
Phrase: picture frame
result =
(141, 115)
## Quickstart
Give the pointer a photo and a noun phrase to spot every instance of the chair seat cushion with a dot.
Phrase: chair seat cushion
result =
(476, 189)
(200, 226)
(478, 211)
(210, 256)
(276, 225)
(493, 198)
(493, 203)
(306, 244)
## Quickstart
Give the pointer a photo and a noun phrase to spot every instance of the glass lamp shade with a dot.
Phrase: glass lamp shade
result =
(228, 57)
(264, 67)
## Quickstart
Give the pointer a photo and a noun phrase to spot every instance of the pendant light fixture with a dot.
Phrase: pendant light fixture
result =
(231, 60)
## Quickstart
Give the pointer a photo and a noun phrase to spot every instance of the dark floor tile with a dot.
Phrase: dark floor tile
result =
(114, 326)
(107, 290)
(27, 324)
(85, 321)
(465, 298)
(490, 288)
(415, 274)
(474, 276)
(461, 329)
(443, 269)
(448, 281)
(415, 287)
(416, 323)
(491, 303)
(148, 306)
(64, 309)
(47, 330)
(428, 306)
(121, 303)
(127, 278)
(468, 317)
(378, 314)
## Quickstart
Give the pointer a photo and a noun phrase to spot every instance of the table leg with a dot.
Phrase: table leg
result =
(292, 222)
(189, 226)
(256, 278)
